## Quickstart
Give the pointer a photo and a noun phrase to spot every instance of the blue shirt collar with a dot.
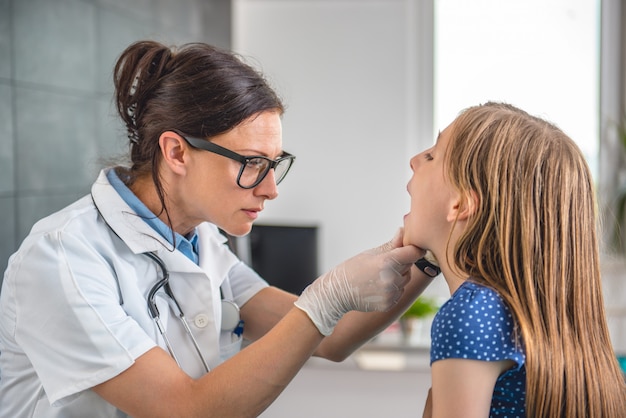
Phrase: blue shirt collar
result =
(188, 246)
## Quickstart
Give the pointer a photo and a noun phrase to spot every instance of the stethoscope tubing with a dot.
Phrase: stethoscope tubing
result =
(173, 303)
(154, 311)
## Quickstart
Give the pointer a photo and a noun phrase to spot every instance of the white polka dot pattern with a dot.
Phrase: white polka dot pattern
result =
(476, 324)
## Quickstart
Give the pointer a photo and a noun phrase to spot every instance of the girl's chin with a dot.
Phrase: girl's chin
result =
(406, 240)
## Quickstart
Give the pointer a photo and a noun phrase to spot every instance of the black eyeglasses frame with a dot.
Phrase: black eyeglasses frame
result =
(209, 146)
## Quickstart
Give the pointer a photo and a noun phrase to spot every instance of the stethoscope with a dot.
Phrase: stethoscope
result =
(231, 319)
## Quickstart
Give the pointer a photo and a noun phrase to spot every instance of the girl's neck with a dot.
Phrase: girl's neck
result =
(454, 277)
(454, 282)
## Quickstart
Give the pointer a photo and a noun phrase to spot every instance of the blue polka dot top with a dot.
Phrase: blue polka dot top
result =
(476, 324)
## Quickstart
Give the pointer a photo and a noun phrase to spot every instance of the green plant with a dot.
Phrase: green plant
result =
(422, 307)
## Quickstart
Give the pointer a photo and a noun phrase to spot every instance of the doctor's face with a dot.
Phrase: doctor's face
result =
(212, 185)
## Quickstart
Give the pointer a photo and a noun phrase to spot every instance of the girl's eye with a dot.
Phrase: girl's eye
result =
(428, 156)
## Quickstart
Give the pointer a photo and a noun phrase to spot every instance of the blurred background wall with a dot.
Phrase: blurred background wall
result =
(57, 120)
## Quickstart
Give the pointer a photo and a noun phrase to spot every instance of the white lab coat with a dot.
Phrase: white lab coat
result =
(74, 311)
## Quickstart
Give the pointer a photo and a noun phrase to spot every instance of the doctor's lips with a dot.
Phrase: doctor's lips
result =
(253, 212)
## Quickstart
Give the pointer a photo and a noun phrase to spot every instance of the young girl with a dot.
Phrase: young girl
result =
(511, 220)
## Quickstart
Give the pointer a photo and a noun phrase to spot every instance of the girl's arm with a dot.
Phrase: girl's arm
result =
(464, 388)
(428, 406)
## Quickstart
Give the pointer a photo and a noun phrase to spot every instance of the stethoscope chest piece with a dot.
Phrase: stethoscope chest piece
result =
(230, 315)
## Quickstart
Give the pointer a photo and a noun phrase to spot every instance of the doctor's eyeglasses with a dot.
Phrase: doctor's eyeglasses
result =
(253, 168)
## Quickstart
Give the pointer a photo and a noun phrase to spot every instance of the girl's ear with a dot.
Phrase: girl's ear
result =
(174, 150)
(464, 207)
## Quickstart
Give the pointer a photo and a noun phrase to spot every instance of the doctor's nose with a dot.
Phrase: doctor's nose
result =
(267, 187)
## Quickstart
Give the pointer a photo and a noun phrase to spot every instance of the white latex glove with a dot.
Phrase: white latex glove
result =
(370, 281)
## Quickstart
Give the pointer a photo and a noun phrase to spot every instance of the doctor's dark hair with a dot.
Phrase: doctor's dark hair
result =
(196, 88)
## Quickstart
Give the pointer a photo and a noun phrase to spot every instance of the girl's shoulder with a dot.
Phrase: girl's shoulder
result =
(475, 323)
(472, 294)
(475, 310)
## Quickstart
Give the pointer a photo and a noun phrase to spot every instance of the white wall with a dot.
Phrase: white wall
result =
(349, 73)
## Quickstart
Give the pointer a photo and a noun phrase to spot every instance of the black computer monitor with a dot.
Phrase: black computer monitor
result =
(285, 255)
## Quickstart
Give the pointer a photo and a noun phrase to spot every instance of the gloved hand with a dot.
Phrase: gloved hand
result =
(370, 281)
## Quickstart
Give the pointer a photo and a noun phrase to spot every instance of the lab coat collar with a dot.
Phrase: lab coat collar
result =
(124, 222)
(215, 258)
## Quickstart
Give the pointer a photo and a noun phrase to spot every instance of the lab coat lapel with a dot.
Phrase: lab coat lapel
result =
(124, 222)
(216, 259)
(133, 230)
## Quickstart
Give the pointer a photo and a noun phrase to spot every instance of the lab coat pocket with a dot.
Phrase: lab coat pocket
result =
(230, 344)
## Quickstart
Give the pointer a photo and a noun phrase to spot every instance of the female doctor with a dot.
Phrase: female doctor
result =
(129, 302)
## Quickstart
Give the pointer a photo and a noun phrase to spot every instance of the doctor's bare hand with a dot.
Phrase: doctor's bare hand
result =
(373, 280)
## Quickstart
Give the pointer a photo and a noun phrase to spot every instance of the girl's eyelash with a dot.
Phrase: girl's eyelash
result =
(428, 156)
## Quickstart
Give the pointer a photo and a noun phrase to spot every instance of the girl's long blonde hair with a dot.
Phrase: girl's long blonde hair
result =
(533, 238)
